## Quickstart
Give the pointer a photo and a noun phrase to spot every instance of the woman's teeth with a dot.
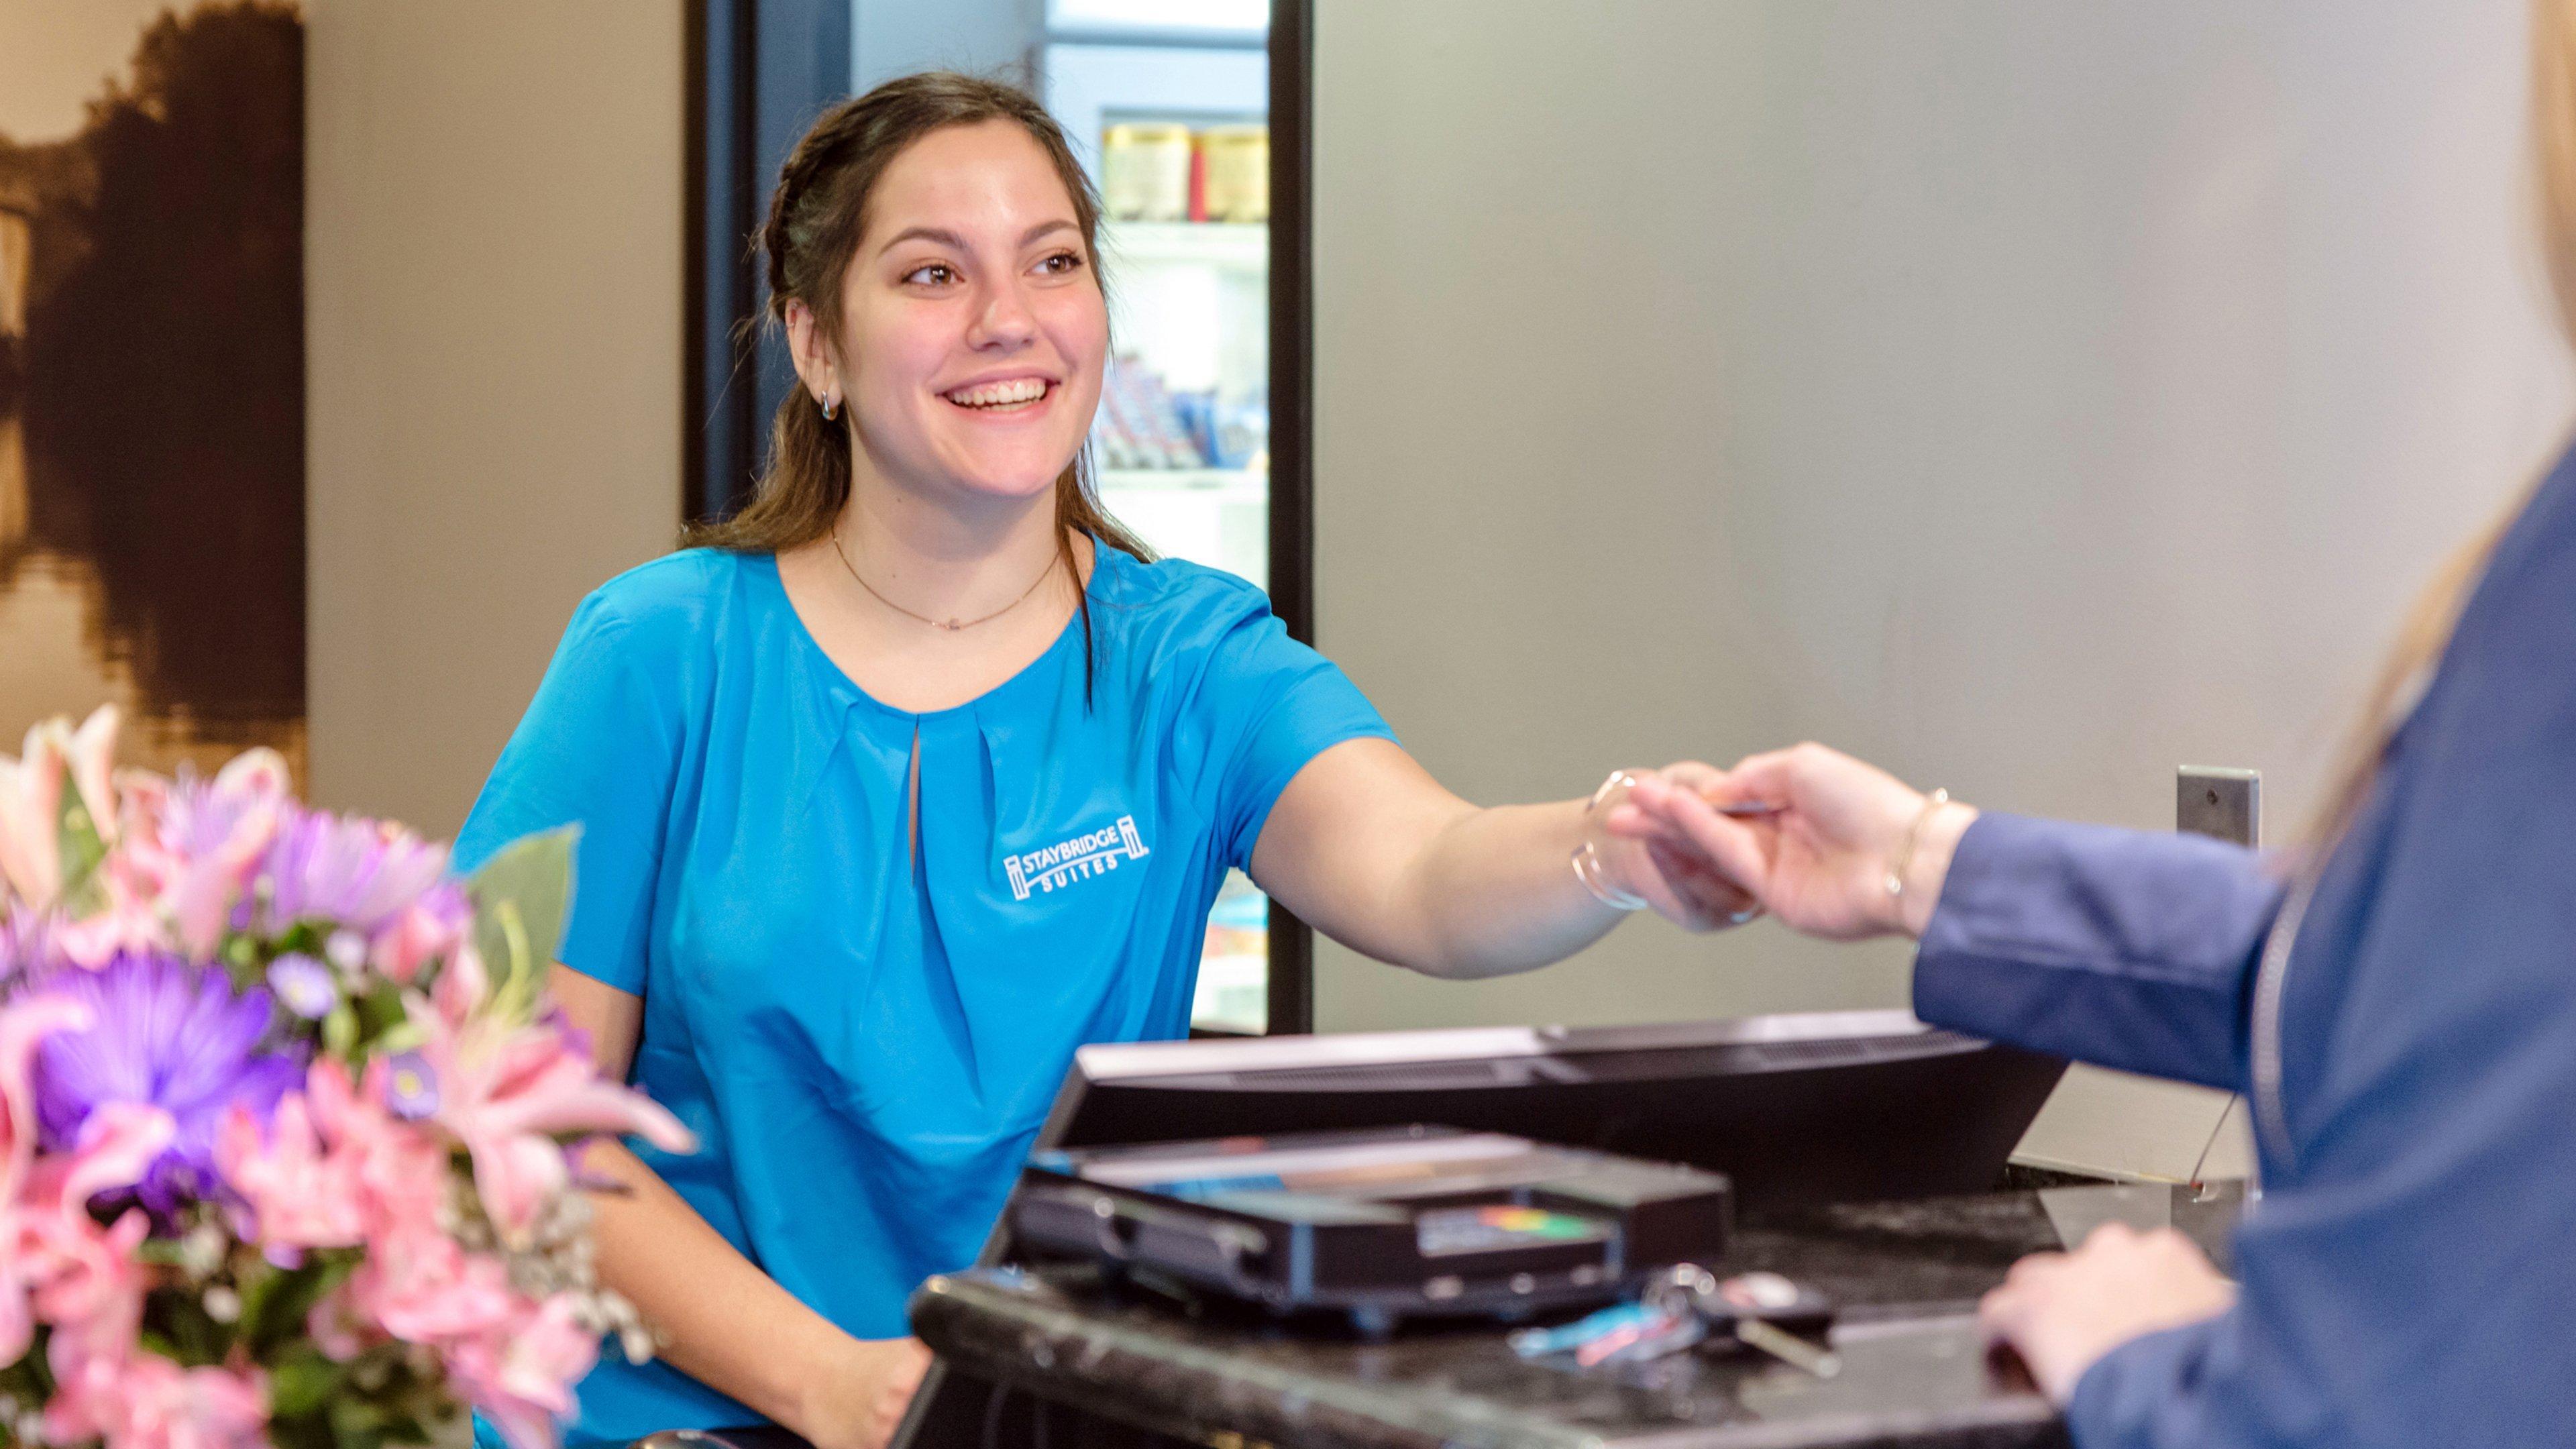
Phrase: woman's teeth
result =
(1000, 396)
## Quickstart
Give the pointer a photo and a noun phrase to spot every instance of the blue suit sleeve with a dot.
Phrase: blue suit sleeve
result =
(597, 749)
(1263, 706)
(2123, 948)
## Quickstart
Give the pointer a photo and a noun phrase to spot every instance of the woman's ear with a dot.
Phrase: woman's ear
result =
(815, 366)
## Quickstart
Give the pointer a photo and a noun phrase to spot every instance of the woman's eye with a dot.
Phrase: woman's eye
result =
(1061, 264)
(936, 274)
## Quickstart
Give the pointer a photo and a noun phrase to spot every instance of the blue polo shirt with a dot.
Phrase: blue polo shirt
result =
(864, 1048)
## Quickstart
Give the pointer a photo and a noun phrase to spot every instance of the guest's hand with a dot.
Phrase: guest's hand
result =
(859, 1405)
(2063, 1311)
(1670, 872)
(1820, 862)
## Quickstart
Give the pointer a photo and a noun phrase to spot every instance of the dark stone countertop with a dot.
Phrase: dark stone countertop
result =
(1905, 1276)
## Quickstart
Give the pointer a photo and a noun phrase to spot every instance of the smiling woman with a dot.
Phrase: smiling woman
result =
(921, 774)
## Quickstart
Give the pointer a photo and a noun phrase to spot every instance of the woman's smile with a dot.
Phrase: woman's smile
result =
(1012, 397)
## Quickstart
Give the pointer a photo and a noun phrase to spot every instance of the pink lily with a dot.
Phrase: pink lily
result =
(31, 800)
(300, 1196)
(128, 924)
(194, 844)
(402, 1167)
(511, 1092)
(522, 1380)
(421, 1287)
(144, 1401)
(433, 926)
(23, 1027)
(334, 1169)
(86, 1280)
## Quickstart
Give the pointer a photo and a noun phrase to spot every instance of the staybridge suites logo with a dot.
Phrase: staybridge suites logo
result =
(1080, 858)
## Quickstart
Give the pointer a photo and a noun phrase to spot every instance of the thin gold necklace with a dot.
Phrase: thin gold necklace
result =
(951, 625)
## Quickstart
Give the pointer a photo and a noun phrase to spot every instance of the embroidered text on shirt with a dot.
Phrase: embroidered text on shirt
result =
(1080, 858)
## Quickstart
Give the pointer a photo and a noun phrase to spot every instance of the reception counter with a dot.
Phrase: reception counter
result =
(1914, 1369)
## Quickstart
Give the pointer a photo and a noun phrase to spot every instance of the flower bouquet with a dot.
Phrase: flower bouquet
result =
(289, 1136)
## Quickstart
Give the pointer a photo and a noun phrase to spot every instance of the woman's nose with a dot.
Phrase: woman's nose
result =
(1003, 320)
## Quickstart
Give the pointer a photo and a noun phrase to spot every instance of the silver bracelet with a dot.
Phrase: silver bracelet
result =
(1590, 868)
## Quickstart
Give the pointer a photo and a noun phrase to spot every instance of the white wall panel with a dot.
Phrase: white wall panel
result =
(2028, 396)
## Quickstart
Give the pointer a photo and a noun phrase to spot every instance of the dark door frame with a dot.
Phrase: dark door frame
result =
(1292, 421)
(758, 73)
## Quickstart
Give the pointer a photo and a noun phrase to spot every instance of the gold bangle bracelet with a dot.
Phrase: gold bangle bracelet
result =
(1913, 836)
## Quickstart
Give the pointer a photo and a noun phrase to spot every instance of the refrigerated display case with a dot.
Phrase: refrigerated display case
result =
(1160, 95)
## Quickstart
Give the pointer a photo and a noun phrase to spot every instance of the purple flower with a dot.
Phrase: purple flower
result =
(411, 1086)
(26, 947)
(303, 985)
(234, 811)
(171, 1035)
(355, 872)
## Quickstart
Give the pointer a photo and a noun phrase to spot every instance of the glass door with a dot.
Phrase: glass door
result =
(1169, 102)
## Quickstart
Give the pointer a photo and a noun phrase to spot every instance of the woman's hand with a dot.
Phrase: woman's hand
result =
(2063, 1311)
(860, 1403)
(1670, 872)
(1820, 860)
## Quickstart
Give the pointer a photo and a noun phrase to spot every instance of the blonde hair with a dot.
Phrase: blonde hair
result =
(2436, 611)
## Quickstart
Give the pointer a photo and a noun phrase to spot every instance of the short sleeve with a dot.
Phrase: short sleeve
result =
(597, 748)
(1264, 705)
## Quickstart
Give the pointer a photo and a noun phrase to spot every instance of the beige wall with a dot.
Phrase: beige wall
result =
(494, 250)
(2029, 396)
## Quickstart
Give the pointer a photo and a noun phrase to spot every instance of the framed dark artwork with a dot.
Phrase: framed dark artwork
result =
(152, 373)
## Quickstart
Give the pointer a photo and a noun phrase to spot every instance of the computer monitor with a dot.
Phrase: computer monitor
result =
(1797, 1109)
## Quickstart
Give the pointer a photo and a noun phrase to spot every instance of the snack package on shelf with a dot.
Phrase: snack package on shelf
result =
(1139, 424)
(1164, 171)
(1113, 434)
(1235, 174)
(1145, 171)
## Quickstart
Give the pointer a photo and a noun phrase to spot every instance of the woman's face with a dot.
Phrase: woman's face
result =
(973, 329)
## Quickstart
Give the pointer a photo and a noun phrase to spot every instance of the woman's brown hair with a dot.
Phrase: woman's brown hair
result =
(816, 217)
(2436, 612)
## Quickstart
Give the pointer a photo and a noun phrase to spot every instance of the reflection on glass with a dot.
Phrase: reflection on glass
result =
(1234, 970)
(1182, 440)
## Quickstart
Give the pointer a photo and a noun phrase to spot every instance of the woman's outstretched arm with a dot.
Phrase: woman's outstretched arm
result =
(1368, 848)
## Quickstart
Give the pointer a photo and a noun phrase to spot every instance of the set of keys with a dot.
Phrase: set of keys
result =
(1689, 1306)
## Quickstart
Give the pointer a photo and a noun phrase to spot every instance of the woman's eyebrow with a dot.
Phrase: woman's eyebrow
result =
(924, 233)
(948, 238)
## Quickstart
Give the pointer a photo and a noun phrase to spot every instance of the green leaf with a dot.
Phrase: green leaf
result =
(160, 1252)
(77, 838)
(357, 1423)
(301, 1383)
(520, 899)
(340, 1031)
(379, 1012)
(259, 1288)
